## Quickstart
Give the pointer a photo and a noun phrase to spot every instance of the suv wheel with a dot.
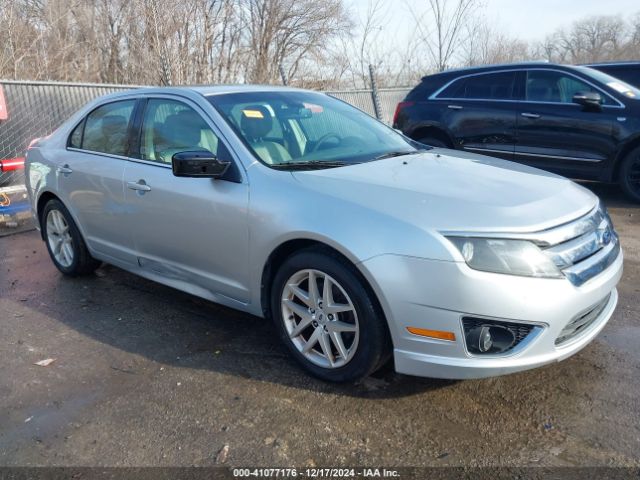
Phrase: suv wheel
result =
(327, 318)
(630, 175)
(64, 242)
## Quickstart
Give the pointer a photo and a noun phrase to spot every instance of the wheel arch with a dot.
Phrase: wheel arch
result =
(284, 250)
(435, 131)
(43, 199)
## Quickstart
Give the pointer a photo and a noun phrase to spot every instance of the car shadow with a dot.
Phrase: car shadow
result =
(174, 328)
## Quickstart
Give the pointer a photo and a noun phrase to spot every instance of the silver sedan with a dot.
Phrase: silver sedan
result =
(361, 245)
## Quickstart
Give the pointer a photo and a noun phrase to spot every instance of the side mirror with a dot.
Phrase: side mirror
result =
(198, 163)
(591, 100)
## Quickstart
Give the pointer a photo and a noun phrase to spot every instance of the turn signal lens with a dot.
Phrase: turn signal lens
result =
(439, 334)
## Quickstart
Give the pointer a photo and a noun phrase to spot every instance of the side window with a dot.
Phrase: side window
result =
(455, 90)
(557, 87)
(75, 139)
(170, 127)
(491, 86)
(487, 86)
(106, 128)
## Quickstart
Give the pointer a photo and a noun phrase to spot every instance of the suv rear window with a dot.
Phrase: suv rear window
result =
(486, 86)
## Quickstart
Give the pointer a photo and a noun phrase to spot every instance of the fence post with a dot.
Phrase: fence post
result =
(282, 75)
(374, 93)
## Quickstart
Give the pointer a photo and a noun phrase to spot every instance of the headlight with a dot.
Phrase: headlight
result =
(513, 257)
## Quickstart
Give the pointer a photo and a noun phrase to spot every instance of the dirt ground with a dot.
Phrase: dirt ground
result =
(145, 375)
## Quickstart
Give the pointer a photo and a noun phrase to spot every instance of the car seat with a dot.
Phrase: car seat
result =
(180, 132)
(256, 123)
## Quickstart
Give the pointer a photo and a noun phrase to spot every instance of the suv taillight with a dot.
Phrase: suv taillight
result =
(400, 106)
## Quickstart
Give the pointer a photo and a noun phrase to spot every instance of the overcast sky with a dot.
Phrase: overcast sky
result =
(525, 19)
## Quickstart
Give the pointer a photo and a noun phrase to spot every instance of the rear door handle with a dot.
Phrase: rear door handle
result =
(455, 107)
(140, 186)
(65, 169)
(530, 115)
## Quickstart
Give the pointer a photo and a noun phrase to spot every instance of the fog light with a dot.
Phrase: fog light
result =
(489, 339)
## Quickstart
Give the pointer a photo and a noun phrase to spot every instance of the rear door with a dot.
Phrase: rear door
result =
(561, 136)
(90, 175)
(192, 232)
(480, 112)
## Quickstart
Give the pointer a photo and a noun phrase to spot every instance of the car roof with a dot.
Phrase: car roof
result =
(208, 90)
(499, 66)
(626, 63)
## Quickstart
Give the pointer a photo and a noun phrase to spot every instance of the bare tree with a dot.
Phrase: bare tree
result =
(316, 42)
(441, 28)
(485, 45)
(286, 32)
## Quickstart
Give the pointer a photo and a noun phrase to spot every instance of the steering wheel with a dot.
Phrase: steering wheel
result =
(324, 138)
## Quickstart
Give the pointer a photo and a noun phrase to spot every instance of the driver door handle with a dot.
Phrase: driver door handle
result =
(530, 115)
(140, 186)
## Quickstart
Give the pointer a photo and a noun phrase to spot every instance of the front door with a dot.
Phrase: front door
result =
(193, 232)
(561, 136)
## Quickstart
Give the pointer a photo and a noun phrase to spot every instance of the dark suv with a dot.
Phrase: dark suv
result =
(626, 71)
(572, 120)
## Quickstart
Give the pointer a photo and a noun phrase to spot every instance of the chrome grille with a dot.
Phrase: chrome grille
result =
(581, 249)
(581, 323)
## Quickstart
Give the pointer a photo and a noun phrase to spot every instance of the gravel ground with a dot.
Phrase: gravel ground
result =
(145, 375)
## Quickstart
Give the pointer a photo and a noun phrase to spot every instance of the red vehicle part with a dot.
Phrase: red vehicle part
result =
(9, 164)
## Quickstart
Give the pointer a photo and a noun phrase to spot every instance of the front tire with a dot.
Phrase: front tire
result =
(630, 175)
(327, 317)
(64, 242)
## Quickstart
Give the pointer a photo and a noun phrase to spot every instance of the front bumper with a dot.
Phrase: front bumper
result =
(436, 295)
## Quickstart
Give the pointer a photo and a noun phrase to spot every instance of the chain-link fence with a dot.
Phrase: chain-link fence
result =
(35, 109)
(32, 110)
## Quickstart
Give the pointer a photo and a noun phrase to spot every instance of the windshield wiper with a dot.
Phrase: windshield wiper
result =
(398, 153)
(311, 165)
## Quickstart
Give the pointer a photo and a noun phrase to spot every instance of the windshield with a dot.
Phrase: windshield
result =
(292, 129)
(613, 83)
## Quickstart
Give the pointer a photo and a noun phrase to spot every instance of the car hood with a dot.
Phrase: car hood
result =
(445, 190)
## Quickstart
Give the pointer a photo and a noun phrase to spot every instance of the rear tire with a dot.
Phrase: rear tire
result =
(65, 244)
(629, 178)
(343, 318)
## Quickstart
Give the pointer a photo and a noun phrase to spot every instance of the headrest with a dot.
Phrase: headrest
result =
(183, 129)
(113, 124)
(255, 121)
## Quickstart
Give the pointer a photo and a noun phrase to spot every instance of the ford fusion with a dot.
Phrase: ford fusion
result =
(361, 245)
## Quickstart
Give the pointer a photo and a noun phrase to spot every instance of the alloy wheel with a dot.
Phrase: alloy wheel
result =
(59, 238)
(320, 318)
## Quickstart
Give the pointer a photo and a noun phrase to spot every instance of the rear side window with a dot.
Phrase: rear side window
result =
(488, 86)
(75, 140)
(105, 129)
